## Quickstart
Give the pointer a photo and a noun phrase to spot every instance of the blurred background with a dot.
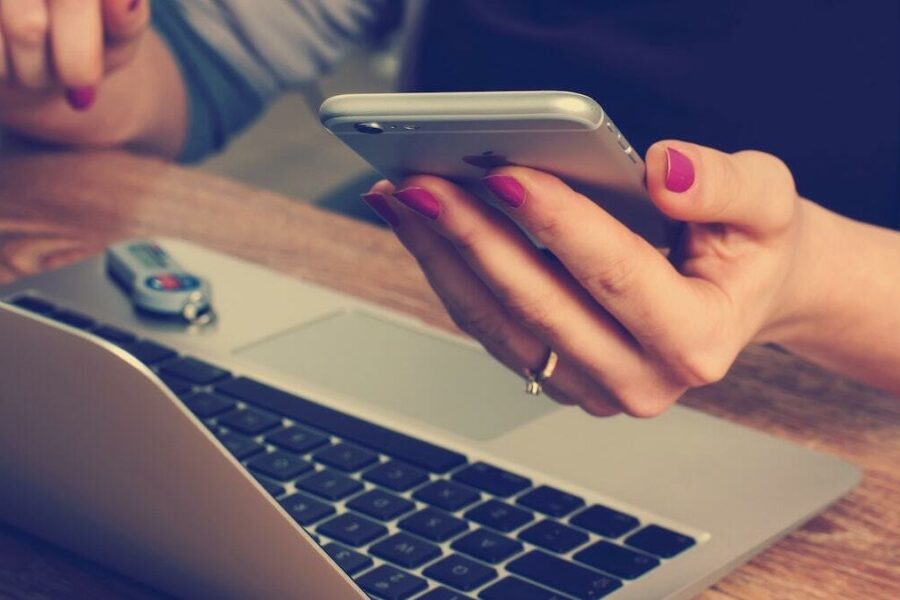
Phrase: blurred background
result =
(288, 151)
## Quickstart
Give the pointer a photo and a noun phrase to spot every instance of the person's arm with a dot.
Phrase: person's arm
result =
(635, 329)
(847, 318)
(142, 105)
(184, 88)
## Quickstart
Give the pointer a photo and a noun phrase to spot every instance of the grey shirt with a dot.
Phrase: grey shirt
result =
(236, 55)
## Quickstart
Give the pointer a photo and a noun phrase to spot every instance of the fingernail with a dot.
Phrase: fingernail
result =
(80, 98)
(679, 171)
(380, 205)
(134, 4)
(506, 188)
(421, 201)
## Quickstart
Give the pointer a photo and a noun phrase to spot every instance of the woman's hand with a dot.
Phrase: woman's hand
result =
(633, 328)
(50, 48)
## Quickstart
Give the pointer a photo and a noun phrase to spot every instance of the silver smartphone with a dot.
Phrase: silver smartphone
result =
(460, 135)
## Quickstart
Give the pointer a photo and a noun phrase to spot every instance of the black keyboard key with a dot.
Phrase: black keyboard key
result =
(115, 335)
(297, 439)
(433, 524)
(329, 484)
(554, 536)
(306, 510)
(346, 457)
(405, 550)
(352, 529)
(616, 560)
(492, 480)
(195, 371)
(206, 405)
(381, 505)
(460, 572)
(273, 489)
(605, 521)
(564, 576)
(33, 304)
(514, 588)
(178, 385)
(249, 421)
(499, 515)
(448, 495)
(442, 593)
(396, 475)
(389, 583)
(74, 319)
(660, 541)
(350, 561)
(149, 352)
(240, 446)
(279, 465)
(420, 453)
(550, 501)
(487, 546)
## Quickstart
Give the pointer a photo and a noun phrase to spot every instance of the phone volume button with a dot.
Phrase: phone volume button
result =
(623, 143)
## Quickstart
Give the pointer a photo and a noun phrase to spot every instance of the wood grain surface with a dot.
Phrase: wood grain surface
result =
(59, 208)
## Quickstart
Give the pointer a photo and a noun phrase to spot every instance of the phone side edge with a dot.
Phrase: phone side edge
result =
(560, 105)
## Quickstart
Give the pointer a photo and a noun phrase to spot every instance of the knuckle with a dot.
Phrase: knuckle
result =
(538, 311)
(697, 369)
(550, 227)
(776, 170)
(643, 403)
(611, 276)
(429, 260)
(29, 29)
(466, 240)
(598, 408)
(775, 183)
(486, 327)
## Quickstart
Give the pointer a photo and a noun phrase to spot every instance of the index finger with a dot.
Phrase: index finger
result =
(77, 40)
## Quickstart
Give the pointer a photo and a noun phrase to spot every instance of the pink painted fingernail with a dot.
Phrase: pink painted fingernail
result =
(380, 205)
(679, 171)
(81, 98)
(133, 5)
(421, 201)
(506, 188)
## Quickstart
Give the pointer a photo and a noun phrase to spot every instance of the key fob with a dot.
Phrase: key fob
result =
(156, 283)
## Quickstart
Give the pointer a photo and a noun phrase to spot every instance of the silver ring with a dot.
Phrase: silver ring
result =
(534, 379)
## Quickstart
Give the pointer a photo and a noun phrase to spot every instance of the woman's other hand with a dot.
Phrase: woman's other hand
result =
(54, 48)
(633, 328)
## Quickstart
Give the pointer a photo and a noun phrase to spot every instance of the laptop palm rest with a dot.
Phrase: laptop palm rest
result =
(349, 352)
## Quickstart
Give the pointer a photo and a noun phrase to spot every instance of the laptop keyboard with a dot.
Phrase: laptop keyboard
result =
(404, 517)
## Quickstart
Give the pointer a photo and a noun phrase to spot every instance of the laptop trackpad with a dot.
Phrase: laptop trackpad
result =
(389, 365)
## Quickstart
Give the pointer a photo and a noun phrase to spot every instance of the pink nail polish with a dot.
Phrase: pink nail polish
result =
(133, 5)
(506, 188)
(421, 201)
(81, 98)
(379, 204)
(679, 171)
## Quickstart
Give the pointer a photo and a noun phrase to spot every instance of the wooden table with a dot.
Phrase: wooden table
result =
(58, 208)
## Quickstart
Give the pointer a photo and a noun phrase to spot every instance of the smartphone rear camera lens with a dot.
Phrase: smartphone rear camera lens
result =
(371, 128)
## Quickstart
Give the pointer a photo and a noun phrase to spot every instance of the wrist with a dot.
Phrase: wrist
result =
(812, 291)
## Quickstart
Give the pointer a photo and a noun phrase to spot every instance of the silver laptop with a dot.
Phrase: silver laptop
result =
(311, 445)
